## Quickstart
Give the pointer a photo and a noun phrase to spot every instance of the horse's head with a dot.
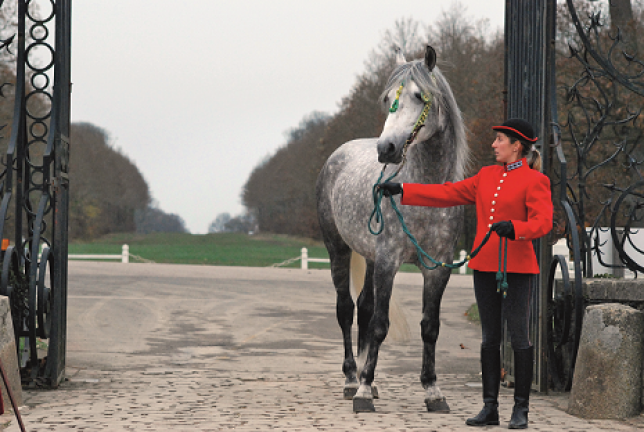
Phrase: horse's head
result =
(412, 99)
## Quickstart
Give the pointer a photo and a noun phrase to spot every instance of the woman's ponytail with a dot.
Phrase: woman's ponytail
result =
(534, 159)
(532, 155)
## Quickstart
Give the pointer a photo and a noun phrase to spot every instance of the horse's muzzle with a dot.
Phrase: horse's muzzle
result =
(388, 152)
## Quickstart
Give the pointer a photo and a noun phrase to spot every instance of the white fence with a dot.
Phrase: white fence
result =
(304, 257)
(124, 256)
(609, 254)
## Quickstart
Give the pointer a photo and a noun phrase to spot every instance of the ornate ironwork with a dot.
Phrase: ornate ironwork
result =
(34, 188)
(602, 134)
(598, 180)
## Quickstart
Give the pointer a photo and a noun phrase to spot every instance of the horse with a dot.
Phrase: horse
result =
(434, 152)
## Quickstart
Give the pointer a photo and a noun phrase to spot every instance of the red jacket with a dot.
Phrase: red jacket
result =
(520, 195)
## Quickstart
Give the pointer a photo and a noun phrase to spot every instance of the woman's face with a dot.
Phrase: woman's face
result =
(505, 150)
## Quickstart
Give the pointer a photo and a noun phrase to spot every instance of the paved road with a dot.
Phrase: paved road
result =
(192, 348)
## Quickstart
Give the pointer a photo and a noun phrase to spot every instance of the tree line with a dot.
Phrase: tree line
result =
(280, 191)
(108, 193)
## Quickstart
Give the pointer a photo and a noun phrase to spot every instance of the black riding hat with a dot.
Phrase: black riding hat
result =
(517, 128)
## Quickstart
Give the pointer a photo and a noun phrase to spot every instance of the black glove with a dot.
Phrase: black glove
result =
(390, 188)
(504, 229)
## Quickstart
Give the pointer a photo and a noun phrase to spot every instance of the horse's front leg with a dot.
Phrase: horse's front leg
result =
(384, 272)
(433, 288)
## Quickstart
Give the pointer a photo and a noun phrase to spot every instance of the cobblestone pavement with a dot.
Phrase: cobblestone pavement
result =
(257, 374)
(209, 400)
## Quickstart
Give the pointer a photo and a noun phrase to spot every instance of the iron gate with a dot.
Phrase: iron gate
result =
(34, 185)
(527, 60)
(581, 83)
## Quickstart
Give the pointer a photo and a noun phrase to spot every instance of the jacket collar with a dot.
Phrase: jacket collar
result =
(507, 167)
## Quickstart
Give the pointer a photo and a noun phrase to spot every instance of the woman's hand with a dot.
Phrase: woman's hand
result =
(504, 229)
(390, 188)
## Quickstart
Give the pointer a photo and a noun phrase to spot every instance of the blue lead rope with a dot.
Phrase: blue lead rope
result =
(502, 274)
(377, 214)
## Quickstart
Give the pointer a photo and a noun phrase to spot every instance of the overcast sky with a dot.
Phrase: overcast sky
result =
(197, 92)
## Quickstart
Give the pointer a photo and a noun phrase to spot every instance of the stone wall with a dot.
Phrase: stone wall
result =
(608, 381)
(8, 355)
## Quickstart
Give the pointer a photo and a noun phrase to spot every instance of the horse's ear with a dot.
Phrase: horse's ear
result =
(430, 58)
(400, 57)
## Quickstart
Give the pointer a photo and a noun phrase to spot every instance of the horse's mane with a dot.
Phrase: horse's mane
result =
(418, 72)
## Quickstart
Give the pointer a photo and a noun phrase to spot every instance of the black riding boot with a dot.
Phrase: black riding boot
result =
(523, 360)
(491, 368)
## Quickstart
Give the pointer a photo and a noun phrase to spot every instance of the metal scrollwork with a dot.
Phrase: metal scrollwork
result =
(597, 143)
(602, 132)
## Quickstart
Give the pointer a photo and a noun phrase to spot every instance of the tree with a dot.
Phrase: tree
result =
(280, 191)
(107, 186)
(405, 35)
(621, 13)
(153, 219)
(219, 224)
(244, 223)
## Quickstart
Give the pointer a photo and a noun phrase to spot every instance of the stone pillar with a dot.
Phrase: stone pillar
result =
(8, 355)
(608, 373)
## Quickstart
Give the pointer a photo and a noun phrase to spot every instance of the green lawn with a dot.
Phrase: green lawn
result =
(226, 249)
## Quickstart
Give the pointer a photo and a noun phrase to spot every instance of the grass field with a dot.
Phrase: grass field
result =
(225, 249)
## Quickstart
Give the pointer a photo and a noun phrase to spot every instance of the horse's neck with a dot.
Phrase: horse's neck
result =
(432, 161)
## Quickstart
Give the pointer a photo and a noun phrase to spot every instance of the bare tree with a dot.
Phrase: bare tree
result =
(406, 35)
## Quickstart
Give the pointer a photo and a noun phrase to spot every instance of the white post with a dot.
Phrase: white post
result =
(305, 259)
(463, 269)
(125, 254)
(561, 248)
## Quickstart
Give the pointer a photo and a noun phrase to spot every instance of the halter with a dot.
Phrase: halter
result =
(428, 100)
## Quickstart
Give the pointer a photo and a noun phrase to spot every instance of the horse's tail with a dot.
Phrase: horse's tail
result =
(398, 326)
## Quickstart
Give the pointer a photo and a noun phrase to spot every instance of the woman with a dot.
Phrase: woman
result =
(514, 201)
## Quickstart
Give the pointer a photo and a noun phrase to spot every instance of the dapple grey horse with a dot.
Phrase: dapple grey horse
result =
(436, 153)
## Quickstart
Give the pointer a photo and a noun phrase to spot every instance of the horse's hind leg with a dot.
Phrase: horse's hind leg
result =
(365, 308)
(366, 301)
(434, 286)
(340, 257)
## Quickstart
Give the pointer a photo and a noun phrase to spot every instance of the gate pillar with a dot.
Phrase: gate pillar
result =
(529, 51)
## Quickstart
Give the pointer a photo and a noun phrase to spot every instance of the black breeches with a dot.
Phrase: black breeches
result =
(494, 309)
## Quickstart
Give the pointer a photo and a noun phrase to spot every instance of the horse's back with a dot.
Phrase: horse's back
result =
(350, 155)
(347, 163)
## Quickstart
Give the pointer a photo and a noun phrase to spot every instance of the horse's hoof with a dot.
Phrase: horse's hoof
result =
(350, 390)
(363, 405)
(437, 405)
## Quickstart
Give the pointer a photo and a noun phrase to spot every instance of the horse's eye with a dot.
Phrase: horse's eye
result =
(419, 96)
(386, 100)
